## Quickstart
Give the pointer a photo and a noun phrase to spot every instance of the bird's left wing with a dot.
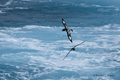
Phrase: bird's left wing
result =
(70, 38)
(67, 54)
(64, 23)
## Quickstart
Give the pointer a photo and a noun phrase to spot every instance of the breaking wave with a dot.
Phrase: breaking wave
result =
(36, 52)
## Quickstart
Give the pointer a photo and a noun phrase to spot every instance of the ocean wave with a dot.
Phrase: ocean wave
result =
(34, 12)
(100, 8)
(35, 26)
(33, 51)
(9, 2)
(20, 8)
(92, 5)
(1, 12)
(26, 0)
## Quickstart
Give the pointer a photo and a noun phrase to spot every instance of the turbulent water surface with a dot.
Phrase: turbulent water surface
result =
(32, 44)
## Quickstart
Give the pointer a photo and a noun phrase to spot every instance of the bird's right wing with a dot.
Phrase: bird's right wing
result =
(79, 44)
(67, 54)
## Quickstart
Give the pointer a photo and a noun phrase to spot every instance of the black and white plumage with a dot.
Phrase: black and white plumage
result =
(67, 30)
(73, 49)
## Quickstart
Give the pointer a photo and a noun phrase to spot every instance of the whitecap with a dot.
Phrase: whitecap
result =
(26, 0)
(9, 2)
(1, 12)
(21, 8)
(103, 6)
(35, 26)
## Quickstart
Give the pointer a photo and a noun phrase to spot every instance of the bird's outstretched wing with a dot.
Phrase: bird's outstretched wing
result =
(69, 37)
(64, 23)
(79, 44)
(67, 54)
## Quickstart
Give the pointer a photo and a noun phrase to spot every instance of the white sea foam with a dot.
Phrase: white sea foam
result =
(81, 4)
(26, 0)
(21, 8)
(35, 26)
(103, 6)
(21, 43)
(100, 50)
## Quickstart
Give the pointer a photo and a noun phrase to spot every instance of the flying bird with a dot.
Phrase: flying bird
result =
(73, 49)
(67, 30)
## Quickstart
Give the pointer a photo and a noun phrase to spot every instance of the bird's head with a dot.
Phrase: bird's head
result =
(73, 49)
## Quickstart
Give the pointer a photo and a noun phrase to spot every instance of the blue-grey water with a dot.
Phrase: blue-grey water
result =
(32, 44)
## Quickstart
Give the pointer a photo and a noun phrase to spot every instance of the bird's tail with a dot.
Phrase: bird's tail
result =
(70, 30)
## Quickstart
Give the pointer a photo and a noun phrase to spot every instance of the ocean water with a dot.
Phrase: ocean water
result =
(32, 44)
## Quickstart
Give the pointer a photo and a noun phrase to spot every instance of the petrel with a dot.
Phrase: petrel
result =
(73, 49)
(67, 30)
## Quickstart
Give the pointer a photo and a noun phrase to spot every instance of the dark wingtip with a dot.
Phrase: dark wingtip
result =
(62, 20)
(63, 58)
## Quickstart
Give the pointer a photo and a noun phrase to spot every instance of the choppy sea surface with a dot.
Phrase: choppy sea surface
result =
(32, 44)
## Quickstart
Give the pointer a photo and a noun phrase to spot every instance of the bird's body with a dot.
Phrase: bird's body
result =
(67, 30)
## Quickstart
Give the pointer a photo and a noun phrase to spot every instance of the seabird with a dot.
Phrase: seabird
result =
(67, 30)
(73, 49)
